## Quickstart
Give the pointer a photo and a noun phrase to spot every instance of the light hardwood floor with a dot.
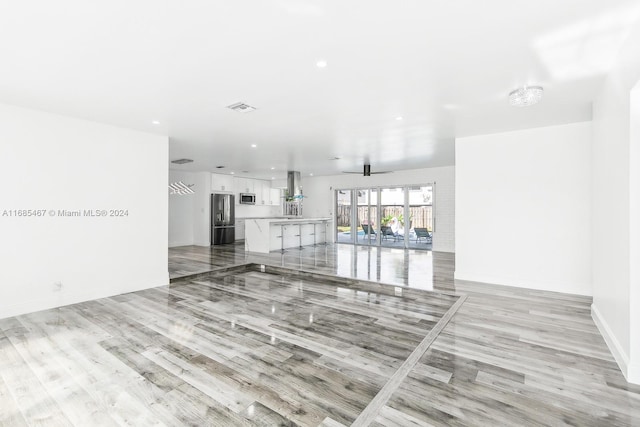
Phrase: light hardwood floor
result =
(313, 340)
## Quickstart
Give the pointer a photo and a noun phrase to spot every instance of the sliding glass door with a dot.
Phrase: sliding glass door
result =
(400, 217)
(421, 217)
(344, 217)
(391, 216)
(367, 216)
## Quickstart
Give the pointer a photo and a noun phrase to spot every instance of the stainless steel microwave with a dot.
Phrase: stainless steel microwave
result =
(247, 198)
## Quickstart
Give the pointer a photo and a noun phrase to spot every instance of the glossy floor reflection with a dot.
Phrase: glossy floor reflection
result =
(410, 268)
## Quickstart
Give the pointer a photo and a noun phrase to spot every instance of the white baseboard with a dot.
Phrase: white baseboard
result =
(630, 372)
(575, 289)
(64, 298)
(180, 243)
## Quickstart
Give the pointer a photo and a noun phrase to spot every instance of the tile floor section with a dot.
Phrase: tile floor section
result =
(315, 339)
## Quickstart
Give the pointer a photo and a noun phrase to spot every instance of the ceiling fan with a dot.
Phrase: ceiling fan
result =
(367, 171)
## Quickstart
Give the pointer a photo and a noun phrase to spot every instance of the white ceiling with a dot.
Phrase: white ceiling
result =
(445, 67)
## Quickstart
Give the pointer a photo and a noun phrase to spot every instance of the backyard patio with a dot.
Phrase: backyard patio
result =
(386, 241)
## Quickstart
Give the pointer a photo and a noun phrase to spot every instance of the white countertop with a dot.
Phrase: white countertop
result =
(289, 220)
(285, 218)
(263, 217)
(299, 220)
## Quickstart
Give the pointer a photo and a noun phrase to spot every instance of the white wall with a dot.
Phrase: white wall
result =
(319, 196)
(615, 211)
(190, 214)
(181, 211)
(202, 209)
(523, 208)
(633, 371)
(53, 163)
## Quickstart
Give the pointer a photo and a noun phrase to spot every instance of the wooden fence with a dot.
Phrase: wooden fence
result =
(421, 216)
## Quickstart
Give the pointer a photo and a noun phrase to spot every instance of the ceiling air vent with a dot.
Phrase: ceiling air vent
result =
(241, 107)
(181, 161)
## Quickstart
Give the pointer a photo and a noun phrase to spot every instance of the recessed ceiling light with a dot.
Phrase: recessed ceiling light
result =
(399, 118)
(253, 145)
(273, 177)
(232, 173)
(272, 168)
(321, 64)
(155, 122)
(310, 174)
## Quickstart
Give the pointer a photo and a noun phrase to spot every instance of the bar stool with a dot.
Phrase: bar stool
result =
(324, 233)
(300, 235)
(314, 234)
(281, 236)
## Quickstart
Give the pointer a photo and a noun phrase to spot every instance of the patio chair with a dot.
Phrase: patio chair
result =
(368, 229)
(387, 231)
(422, 233)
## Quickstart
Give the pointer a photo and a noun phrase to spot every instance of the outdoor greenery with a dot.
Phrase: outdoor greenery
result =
(386, 220)
(401, 219)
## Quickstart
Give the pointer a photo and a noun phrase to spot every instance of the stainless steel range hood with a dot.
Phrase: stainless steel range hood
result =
(294, 184)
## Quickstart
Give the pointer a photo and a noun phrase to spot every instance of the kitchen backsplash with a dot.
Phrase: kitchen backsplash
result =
(253, 211)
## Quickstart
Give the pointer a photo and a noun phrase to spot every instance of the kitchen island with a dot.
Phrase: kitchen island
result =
(270, 234)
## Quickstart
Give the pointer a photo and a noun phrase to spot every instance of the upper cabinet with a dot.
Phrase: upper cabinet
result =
(221, 182)
(257, 189)
(270, 196)
(265, 195)
(261, 189)
(243, 185)
(275, 196)
(266, 192)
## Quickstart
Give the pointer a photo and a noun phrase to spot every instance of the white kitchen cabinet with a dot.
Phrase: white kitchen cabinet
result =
(239, 185)
(243, 185)
(250, 185)
(270, 196)
(266, 192)
(240, 229)
(274, 199)
(221, 182)
(257, 190)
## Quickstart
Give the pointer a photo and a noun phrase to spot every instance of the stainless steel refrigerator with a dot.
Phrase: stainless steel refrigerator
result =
(223, 219)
